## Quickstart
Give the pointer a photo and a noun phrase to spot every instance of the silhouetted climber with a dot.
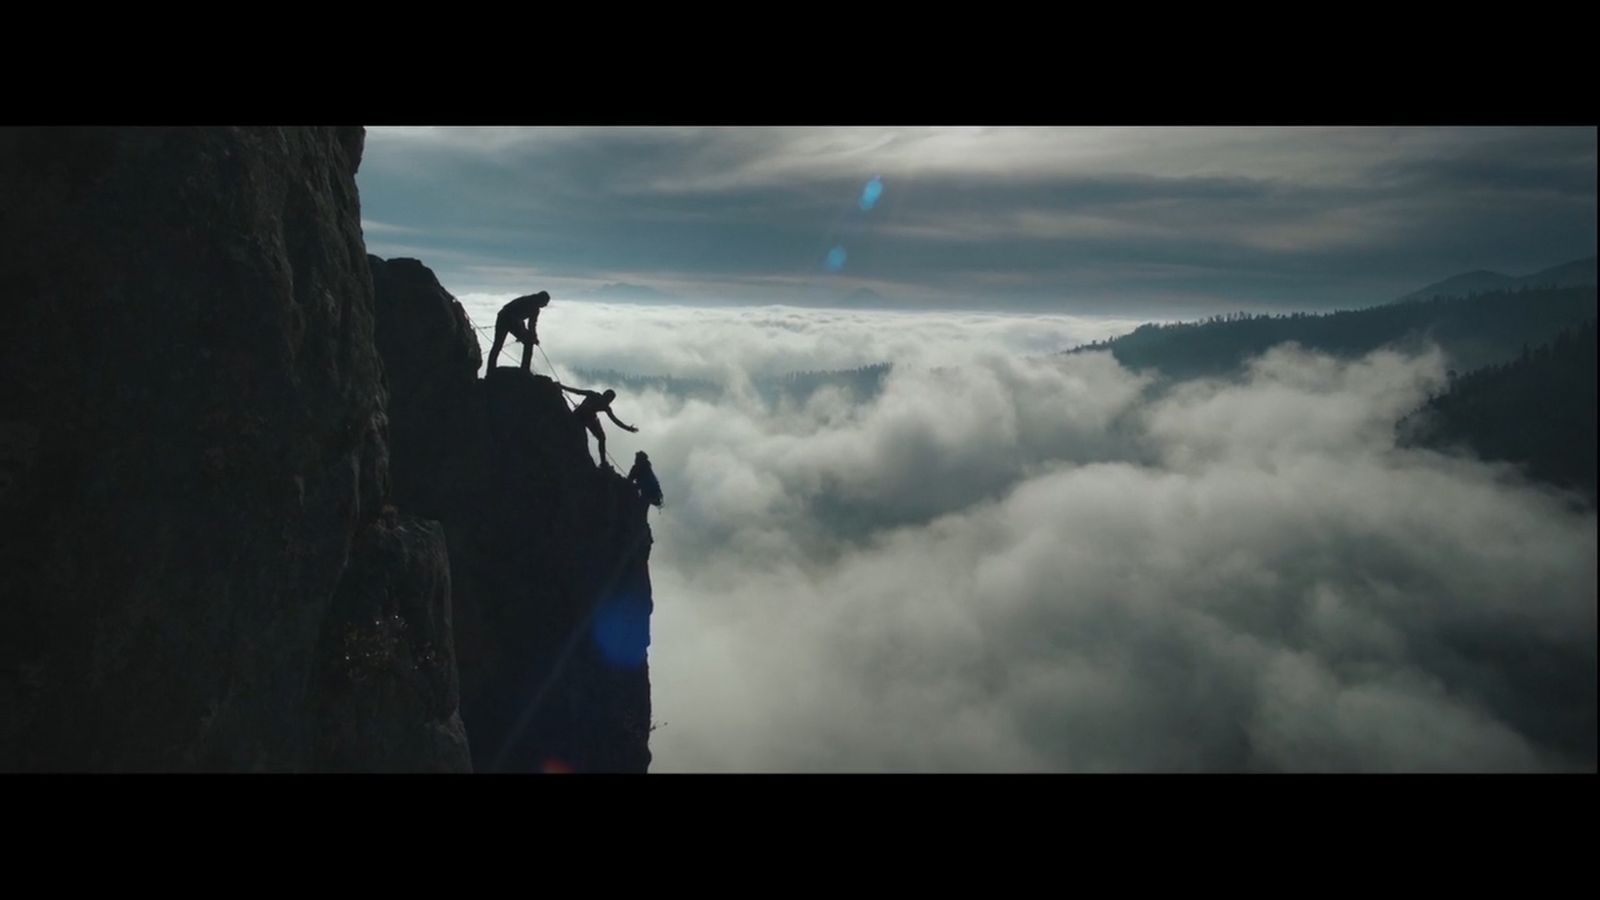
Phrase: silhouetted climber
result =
(644, 478)
(588, 412)
(510, 321)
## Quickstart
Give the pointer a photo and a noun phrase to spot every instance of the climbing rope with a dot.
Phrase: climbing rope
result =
(554, 376)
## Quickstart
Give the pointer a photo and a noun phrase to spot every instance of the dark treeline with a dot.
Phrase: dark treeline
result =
(681, 387)
(863, 382)
(1475, 331)
(1537, 411)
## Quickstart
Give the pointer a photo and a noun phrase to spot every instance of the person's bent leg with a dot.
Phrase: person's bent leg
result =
(494, 352)
(520, 332)
(599, 436)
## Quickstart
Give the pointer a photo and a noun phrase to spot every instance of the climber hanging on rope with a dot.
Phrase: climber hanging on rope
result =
(510, 321)
(643, 478)
(588, 412)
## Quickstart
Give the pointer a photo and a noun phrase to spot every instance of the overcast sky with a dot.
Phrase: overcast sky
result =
(1116, 221)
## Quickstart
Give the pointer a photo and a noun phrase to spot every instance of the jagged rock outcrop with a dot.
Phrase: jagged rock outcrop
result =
(431, 358)
(555, 590)
(548, 554)
(196, 462)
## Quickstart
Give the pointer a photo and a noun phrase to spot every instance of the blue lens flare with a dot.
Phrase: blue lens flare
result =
(835, 260)
(622, 630)
(870, 193)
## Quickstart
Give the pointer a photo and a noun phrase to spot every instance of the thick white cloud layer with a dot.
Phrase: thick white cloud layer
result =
(730, 343)
(1008, 560)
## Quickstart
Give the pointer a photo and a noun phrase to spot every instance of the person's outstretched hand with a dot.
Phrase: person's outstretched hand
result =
(634, 430)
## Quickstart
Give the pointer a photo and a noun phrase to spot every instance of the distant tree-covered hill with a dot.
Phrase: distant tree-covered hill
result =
(1537, 411)
(864, 383)
(1577, 273)
(599, 379)
(1474, 331)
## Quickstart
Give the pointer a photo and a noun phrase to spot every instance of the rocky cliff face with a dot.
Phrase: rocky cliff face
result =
(548, 554)
(250, 507)
(197, 566)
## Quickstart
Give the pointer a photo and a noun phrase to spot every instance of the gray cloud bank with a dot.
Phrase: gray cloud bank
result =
(1130, 221)
(1010, 561)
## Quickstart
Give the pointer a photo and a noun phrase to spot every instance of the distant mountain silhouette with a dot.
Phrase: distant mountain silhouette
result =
(1576, 273)
(1573, 274)
(1462, 285)
(1537, 411)
(636, 293)
(1475, 331)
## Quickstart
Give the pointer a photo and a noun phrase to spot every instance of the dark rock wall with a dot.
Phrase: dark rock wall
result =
(192, 415)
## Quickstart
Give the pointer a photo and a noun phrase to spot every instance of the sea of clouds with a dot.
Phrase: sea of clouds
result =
(1008, 559)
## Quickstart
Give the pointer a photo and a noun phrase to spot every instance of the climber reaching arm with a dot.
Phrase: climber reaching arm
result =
(620, 424)
(578, 391)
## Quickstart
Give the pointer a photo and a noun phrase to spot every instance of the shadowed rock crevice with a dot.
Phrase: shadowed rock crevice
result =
(387, 691)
